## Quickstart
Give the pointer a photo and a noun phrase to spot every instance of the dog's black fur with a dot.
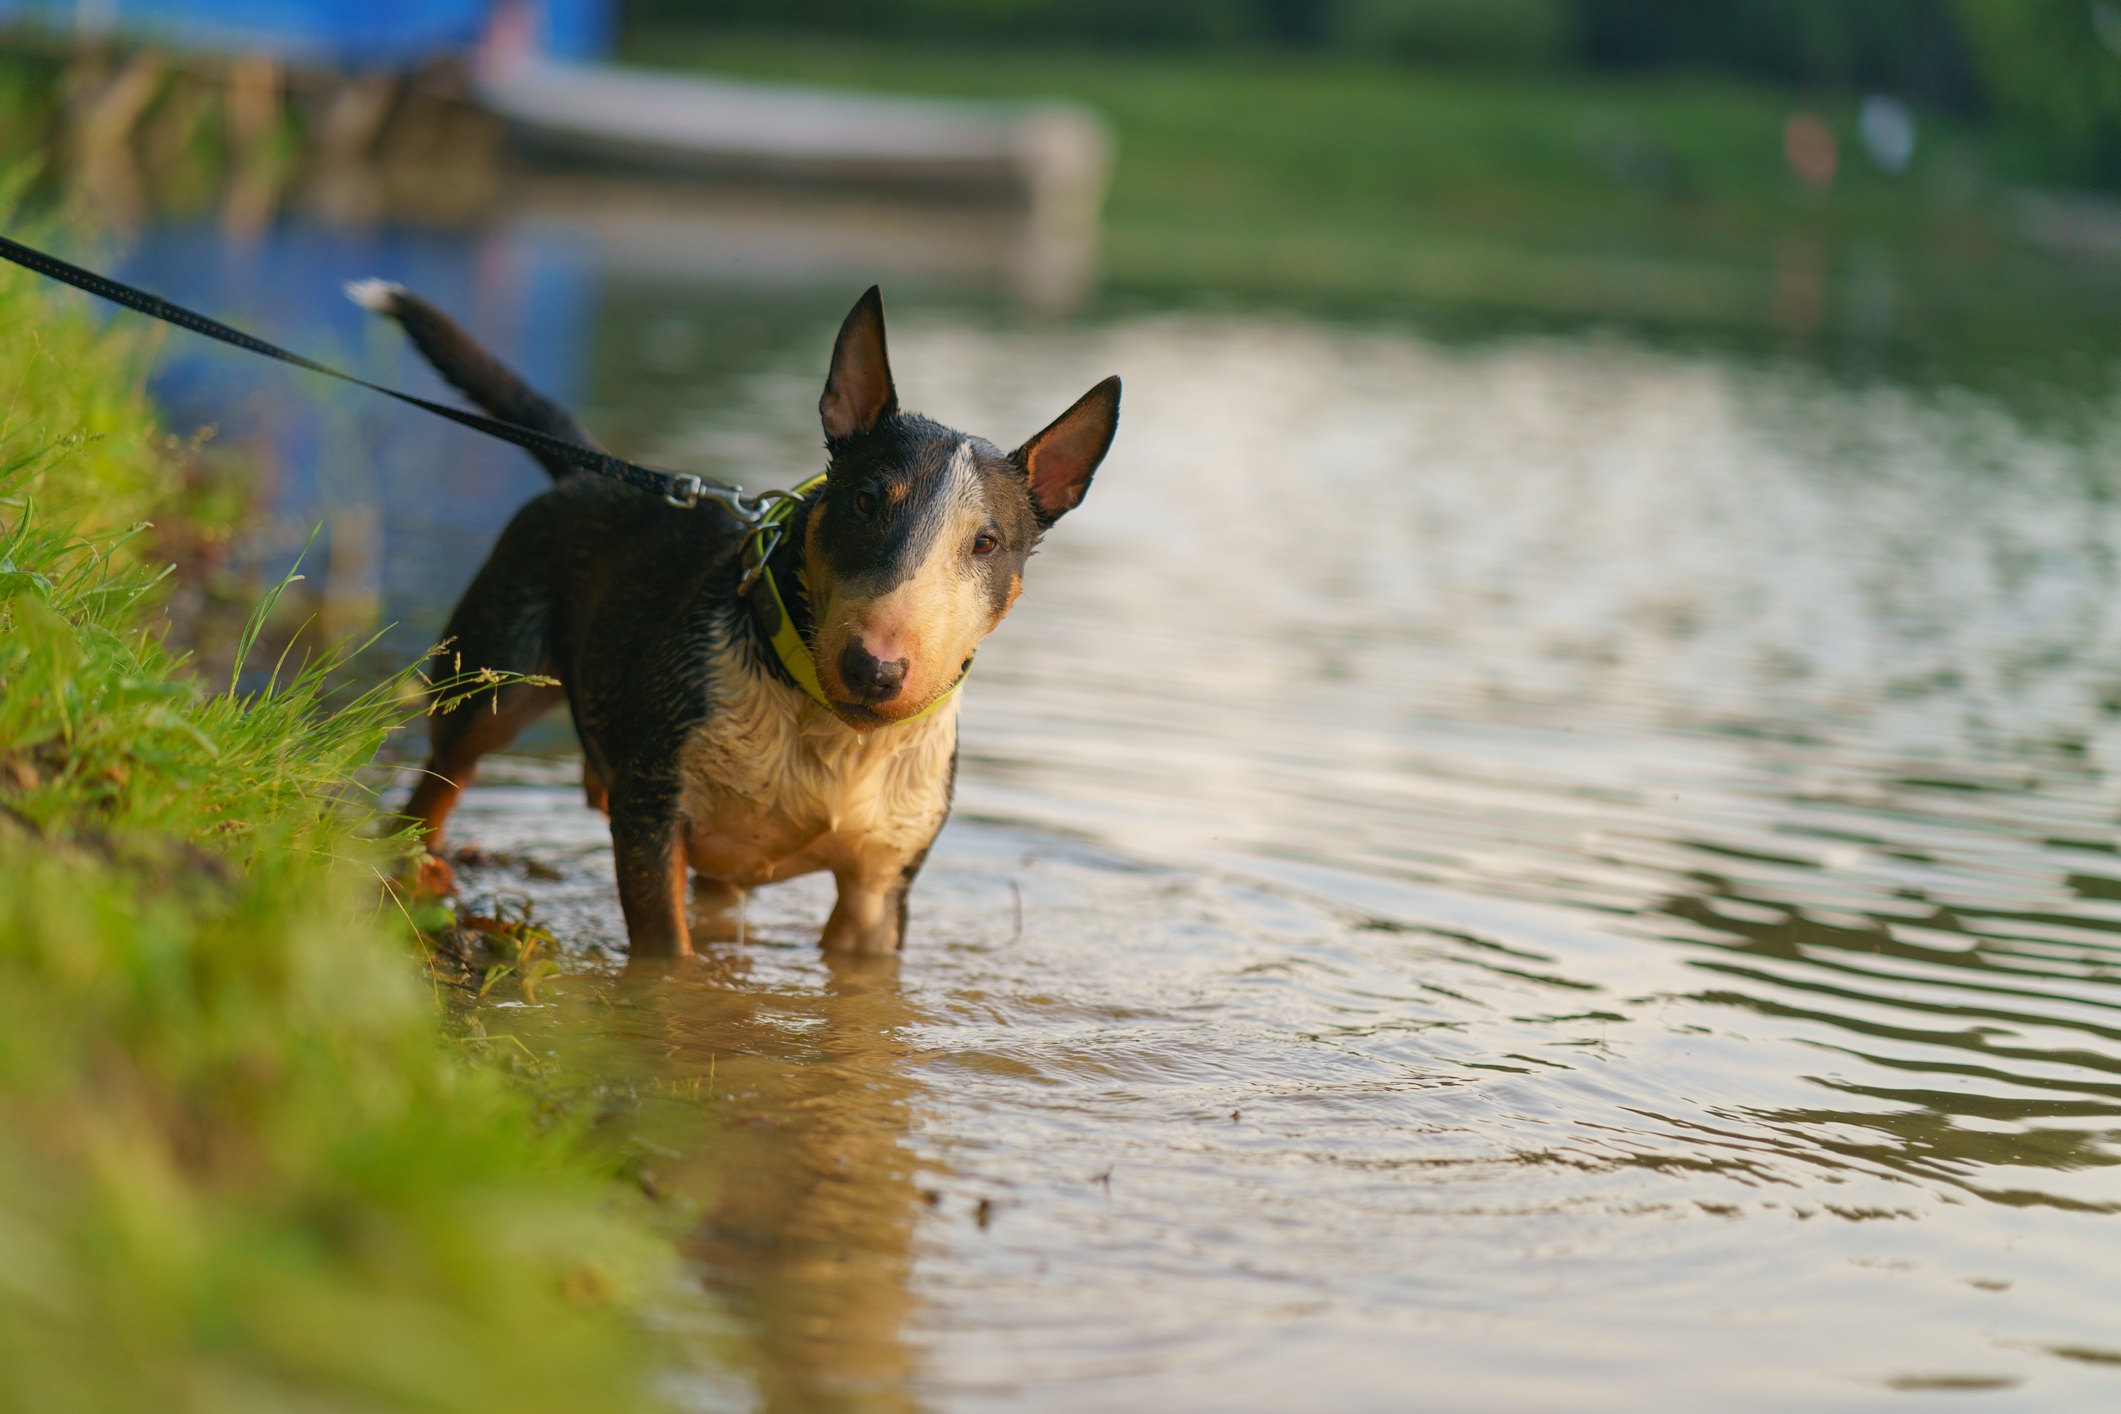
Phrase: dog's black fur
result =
(696, 740)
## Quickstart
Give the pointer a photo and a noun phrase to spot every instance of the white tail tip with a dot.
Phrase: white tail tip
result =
(378, 295)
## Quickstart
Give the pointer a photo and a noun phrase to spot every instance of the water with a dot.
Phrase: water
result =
(1533, 872)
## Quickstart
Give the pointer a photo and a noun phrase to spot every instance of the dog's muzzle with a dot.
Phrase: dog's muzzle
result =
(871, 681)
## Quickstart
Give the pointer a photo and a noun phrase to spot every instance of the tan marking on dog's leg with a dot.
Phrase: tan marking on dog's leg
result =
(594, 790)
(717, 910)
(432, 801)
(461, 738)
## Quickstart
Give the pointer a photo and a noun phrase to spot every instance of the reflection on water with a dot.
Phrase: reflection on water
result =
(1527, 875)
(812, 1217)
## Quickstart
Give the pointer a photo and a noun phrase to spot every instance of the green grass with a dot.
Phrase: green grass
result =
(242, 1165)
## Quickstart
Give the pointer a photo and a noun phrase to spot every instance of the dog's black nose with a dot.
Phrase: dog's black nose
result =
(870, 681)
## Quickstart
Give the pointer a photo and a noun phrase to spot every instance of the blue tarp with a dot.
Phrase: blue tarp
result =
(356, 34)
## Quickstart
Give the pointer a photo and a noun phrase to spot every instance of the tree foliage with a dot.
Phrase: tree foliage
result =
(2052, 71)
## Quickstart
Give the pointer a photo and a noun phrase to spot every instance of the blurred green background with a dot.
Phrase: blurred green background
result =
(2041, 78)
(1657, 162)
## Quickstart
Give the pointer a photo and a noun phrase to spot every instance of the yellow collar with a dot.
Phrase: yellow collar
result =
(788, 645)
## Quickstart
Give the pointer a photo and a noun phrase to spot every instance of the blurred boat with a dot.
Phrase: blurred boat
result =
(1051, 161)
(667, 120)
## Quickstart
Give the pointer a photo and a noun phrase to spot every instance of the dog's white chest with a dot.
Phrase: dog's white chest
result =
(774, 786)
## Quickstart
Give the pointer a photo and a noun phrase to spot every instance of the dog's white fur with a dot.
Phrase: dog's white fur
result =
(775, 786)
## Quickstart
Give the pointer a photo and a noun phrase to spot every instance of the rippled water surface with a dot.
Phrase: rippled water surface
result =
(1529, 874)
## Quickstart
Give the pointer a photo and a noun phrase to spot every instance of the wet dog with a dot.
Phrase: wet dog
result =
(753, 722)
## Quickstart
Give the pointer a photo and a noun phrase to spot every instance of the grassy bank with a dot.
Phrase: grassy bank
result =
(241, 1166)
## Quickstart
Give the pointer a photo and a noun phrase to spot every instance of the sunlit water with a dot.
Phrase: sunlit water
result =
(1527, 875)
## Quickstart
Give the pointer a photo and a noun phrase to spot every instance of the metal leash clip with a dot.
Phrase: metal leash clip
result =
(764, 537)
(755, 506)
(685, 491)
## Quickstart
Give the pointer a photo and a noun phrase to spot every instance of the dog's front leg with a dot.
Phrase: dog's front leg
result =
(717, 910)
(865, 920)
(651, 867)
(870, 916)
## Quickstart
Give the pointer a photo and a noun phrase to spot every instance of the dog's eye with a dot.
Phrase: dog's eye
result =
(866, 502)
(986, 543)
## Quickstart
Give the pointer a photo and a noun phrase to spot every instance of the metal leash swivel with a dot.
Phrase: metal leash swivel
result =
(771, 511)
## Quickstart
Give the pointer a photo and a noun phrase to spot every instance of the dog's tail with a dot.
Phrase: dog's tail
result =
(470, 369)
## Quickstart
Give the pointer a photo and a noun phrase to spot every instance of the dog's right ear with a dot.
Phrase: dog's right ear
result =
(858, 392)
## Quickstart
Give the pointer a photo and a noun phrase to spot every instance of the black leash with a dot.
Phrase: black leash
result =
(679, 489)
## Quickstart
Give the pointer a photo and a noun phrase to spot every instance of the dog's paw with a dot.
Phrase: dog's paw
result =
(433, 878)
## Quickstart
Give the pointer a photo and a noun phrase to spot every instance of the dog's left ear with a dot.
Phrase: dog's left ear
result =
(1059, 462)
(858, 392)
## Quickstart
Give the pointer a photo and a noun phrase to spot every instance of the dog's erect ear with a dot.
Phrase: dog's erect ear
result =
(1060, 461)
(858, 392)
